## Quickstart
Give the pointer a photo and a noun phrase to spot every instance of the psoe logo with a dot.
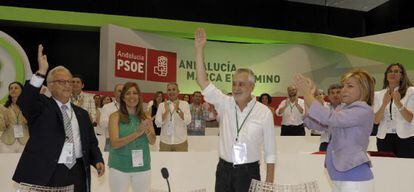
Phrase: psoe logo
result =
(162, 66)
(134, 62)
(14, 64)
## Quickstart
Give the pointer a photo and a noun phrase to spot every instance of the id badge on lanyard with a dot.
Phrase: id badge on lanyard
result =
(197, 124)
(169, 127)
(17, 128)
(137, 158)
(239, 153)
(292, 116)
(67, 154)
(18, 131)
(240, 148)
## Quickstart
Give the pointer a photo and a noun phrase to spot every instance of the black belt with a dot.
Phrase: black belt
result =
(228, 164)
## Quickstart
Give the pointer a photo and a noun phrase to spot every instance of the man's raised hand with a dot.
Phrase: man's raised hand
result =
(200, 38)
(42, 60)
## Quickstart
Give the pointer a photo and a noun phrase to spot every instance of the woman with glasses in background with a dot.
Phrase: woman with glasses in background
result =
(393, 108)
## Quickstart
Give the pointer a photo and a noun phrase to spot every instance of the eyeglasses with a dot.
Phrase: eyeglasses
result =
(394, 71)
(62, 82)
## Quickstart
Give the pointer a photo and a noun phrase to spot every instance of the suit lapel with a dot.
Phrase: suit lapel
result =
(79, 118)
(58, 111)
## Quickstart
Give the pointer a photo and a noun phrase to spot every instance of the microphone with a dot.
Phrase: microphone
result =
(165, 175)
(164, 172)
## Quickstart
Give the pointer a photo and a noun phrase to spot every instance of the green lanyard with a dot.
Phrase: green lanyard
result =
(17, 115)
(171, 113)
(291, 107)
(237, 120)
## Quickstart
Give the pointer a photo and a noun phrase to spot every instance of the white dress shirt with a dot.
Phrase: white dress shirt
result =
(106, 111)
(37, 82)
(397, 124)
(178, 132)
(291, 115)
(75, 128)
(257, 130)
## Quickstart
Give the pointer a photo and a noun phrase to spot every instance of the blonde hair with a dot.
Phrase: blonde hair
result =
(366, 84)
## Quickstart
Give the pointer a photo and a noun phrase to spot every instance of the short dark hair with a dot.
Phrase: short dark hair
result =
(334, 86)
(268, 97)
(79, 77)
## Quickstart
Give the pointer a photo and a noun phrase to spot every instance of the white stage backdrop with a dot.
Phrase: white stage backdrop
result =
(152, 60)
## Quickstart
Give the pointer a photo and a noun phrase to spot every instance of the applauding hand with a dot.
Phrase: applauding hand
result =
(303, 84)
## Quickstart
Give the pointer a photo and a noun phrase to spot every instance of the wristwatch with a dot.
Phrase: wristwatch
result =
(40, 75)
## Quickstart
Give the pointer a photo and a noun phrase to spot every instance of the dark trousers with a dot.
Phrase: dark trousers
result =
(293, 130)
(323, 146)
(374, 130)
(400, 147)
(156, 129)
(236, 178)
(75, 176)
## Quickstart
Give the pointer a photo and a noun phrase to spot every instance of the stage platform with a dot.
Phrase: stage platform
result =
(196, 169)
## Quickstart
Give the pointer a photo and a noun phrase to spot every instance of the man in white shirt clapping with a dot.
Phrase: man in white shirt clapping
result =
(292, 110)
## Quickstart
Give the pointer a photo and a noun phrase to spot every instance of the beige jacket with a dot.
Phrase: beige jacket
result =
(9, 117)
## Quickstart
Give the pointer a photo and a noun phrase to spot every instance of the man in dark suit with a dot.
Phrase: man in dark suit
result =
(62, 143)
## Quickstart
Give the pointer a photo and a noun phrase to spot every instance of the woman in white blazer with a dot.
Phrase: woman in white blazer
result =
(394, 106)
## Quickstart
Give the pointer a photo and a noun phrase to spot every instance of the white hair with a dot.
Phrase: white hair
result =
(52, 72)
(251, 77)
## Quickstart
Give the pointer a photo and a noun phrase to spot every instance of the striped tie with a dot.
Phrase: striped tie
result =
(69, 135)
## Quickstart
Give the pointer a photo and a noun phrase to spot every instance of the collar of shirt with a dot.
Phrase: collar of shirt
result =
(395, 89)
(248, 106)
(116, 104)
(345, 106)
(60, 104)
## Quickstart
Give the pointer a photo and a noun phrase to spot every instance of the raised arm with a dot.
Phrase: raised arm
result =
(42, 61)
(199, 44)
(29, 100)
